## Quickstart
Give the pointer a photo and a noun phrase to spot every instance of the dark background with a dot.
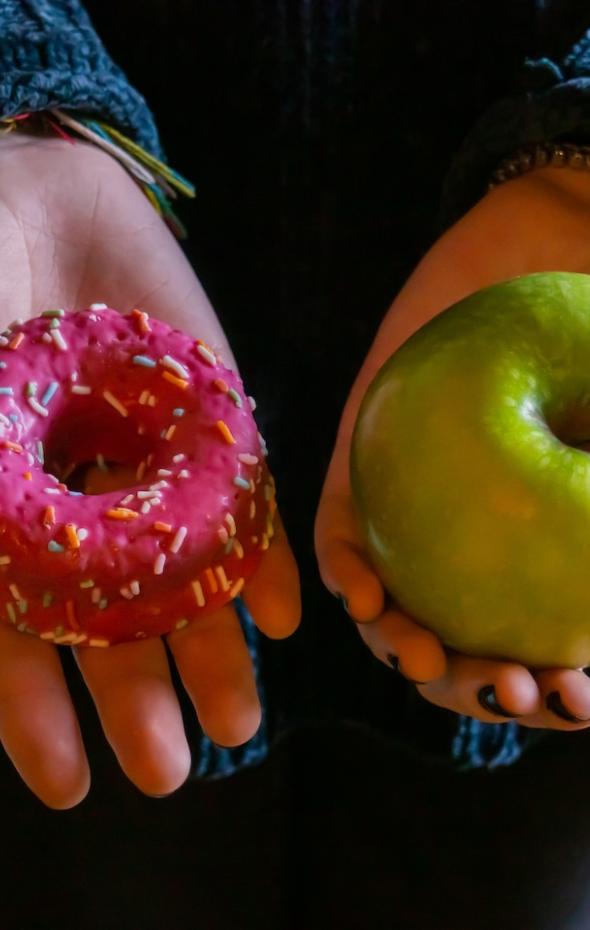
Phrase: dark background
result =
(318, 135)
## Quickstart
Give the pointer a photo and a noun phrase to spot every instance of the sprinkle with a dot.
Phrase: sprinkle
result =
(228, 546)
(235, 397)
(159, 564)
(28, 475)
(49, 516)
(96, 595)
(10, 612)
(240, 482)
(146, 507)
(51, 491)
(52, 314)
(54, 546)
(98, 307)
(7, 391)
(4, 420)
(121, 513)
(47, 599)
(144, 360)
(173, 379)
(36, 406)
(101, 462)
(102, 603)
(143, 397)
(126, 593)
(87, 584)
(3, 341)
(183, 473)
(170, 432)
(45, 337)
(168, 362)
(135, 589)
(75, 494)
(220, 384)
(30, 388)
(225, 432)
(49, 634)
(49, 392)
(248, 459)
(223, 534)
(179, 538)
(178, 458)
(13, 417)
(264, 543)
(211, 580)
(72, 536)
(178, 412)
(74, 376)
(147, 495)
(236, 588)
(3, 365)
(16, 341)
(162, 527)
(5, 560)
(252, 403)
(140, 470)
(231, 523)
(126, 500)
(164, 472)
(206, 355)
(220, 572)
(112, 400)
(158, 485)
(141, 429)
(152, 400)
(150, 458)
(98, 640)
(15, 592)
(238, 548)
(59, 340)
(54, 324)
(81, 389)
(23, 606)
(142, 320)
(198, 592)
(180, 624)
(82, 534)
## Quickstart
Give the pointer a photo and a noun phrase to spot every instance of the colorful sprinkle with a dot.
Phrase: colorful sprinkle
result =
(247, 459)
(5, 560)
(252, 403)
(168, 362)
(101, 462)
(240, 482)
(135, 589)
(81, 389)
(54, 546)
(16, 341)
(96, 595)
(98, 640)
(102, 603)
(98, 307)
(72, 536)
(235, 397)
(206, 354)
(10, 612)
(238, 548)
(71, 616)
(51, 491)
(36, 406)
(236, 588)
(14, 591)
(170, 432)
(179, 538)
(52, 314)
(180, 624)
(159, 564)
(211, 580)
(59, 340)
(220, 572)
(164, 472)
(223, 534)
(160, 527)
(146, 507)
(89, 583)
(6, 391)
(30, 388)
(49, 392)
(143, 397)
(178, 412)
(176, 381)
(28, 475)
(47, 599)
(198, 592)
(178, 458)
(121, 513)
(82, 534)
(114, 402)
(140, 470)
(183, 473)
(220, 384)
(23, 606)
(144, 360)
(225, 432)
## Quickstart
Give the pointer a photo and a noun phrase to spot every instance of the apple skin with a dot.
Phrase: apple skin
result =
(469, 476)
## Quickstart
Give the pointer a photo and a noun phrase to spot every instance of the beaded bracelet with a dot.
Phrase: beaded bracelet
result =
(541, 155)
(158, 181)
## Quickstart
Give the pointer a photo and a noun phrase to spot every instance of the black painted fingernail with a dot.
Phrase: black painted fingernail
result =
(487, 699)
(394, 662)
(554, 703)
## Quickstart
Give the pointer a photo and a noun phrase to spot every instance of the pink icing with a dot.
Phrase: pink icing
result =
(219, 491)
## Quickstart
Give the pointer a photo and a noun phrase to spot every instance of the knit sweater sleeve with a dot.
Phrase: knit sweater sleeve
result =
(553, 104)
(50, 56)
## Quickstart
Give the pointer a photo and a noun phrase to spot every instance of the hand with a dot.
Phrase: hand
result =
(536, 223)
(75, 229)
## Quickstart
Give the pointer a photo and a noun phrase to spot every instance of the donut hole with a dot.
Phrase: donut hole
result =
(95, 451)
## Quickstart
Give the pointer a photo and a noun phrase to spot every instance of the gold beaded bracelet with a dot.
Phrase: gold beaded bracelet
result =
(541, 155)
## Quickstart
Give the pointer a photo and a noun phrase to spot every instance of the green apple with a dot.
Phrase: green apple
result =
(470, 477)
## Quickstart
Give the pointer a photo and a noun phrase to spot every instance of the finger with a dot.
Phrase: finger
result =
(486, 690)
(38, 725)
(215, 666)
(399, 642)
(272, 596)
(139, 712)
(565, 699)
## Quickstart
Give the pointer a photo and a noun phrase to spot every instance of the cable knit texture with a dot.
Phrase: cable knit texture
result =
(50, 56)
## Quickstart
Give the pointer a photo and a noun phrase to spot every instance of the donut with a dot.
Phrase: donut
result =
(93, 389)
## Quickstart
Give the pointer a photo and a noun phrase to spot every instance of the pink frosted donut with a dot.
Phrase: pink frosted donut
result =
(97, 569)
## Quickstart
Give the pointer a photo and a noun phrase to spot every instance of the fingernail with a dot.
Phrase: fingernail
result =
(487, 699)
(554, 703)
(394, 662)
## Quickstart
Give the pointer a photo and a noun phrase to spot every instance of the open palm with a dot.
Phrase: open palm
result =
(75, 229)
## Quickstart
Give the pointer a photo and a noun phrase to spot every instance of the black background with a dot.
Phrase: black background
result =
(318, 135)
